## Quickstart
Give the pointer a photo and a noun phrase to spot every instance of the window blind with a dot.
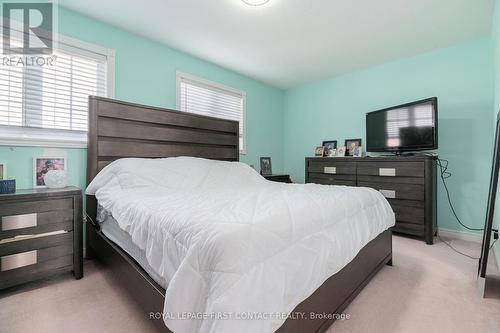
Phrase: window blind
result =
(53, 97)
(211, 99)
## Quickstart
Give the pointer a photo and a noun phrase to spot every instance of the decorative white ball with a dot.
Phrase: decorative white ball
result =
(55, 179)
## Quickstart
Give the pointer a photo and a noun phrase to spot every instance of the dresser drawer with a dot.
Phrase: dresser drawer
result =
(398, 180)
(408, 214)
(409, 228)
(397, 191)
(331, 181)
(328, 179)
(332, 167)
(391, 169)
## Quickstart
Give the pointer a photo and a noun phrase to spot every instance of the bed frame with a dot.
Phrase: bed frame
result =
(118, 129)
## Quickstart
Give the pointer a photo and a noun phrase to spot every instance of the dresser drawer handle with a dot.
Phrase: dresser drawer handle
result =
(387, 172)
(18, 260)
(18, 221)
(389, 194)
(330, 170)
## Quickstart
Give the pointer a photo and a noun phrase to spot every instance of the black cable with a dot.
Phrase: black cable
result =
(445, 174)
(465, 254)
(457, 251)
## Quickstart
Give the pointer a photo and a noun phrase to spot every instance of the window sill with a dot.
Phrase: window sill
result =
(41, 137)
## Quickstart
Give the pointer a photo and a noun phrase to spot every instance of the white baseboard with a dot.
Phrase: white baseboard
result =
(462, 235)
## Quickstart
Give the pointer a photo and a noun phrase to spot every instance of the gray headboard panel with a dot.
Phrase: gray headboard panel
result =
(119, 129)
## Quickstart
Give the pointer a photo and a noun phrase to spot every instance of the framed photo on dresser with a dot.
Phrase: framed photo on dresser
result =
(319, 151)
(352, 147)
(329, 148)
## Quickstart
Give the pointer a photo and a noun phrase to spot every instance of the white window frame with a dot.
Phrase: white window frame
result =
(180, 75)
(48, 137)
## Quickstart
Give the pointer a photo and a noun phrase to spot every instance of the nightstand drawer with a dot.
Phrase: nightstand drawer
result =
(38, 206)
(35, 242)
(30, 258)
(36, 223)
(26, 266)
(392, 169)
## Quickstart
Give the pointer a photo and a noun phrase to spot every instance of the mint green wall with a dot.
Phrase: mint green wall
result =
(460, 76)
(145, 73)
(496, 53)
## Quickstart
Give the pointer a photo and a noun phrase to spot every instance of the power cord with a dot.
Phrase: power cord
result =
(462, 253)
(445, 174)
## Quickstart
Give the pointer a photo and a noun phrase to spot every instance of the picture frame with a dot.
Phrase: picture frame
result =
(332, 153)
(3, 170)
(266, 168)
(358, 152)
(43, 164)
(319, 151)
(351, 146)
(341, 151)
(329, 145)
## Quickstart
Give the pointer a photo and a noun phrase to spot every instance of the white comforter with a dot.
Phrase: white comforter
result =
(231, 245)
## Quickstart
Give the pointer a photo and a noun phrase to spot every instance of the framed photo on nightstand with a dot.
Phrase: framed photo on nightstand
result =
(266, 168)
(42, 165)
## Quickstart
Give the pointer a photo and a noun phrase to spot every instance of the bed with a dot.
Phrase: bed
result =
(144, 151)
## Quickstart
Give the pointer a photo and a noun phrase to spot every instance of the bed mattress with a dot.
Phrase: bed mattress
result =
(111, 229)
(236, 250)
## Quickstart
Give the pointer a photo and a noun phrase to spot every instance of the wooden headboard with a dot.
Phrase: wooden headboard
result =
(119, 129)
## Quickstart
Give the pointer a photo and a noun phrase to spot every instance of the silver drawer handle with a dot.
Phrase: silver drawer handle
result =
(18, 260)
(18, 221)
(330, 170)
(387, 172)
(389, 194)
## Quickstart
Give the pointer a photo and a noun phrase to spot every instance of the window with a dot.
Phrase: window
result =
(207, 98)
(48, 105)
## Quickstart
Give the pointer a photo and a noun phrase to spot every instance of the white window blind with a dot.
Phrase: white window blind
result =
(211, 99)
(52, 99)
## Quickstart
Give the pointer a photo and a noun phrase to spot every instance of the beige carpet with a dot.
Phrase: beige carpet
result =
(429, 289)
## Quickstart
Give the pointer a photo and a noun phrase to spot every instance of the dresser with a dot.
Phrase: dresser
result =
(408, 184)
(40, 234)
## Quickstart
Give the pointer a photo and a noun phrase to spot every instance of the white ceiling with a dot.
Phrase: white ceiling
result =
(289, 42)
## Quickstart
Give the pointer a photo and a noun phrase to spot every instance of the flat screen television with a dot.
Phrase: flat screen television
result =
(408, 127)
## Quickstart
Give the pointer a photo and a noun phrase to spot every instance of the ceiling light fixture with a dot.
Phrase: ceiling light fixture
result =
(255, 2)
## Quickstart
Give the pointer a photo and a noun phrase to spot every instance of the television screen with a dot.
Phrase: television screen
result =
(407, 127)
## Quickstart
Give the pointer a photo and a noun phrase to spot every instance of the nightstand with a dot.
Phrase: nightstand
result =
(279, 178)
(40, 234)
